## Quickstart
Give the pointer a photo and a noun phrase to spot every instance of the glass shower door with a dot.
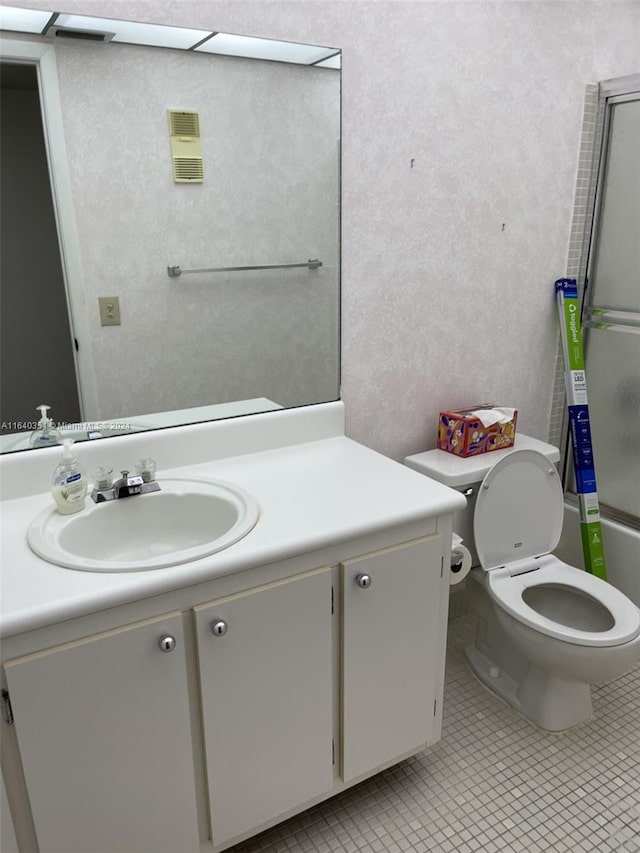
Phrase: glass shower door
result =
(612, 316)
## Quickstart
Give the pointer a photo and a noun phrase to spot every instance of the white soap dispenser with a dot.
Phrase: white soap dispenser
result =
(45, 434)
(69, 482)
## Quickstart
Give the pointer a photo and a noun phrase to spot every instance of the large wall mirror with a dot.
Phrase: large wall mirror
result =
(170, 225)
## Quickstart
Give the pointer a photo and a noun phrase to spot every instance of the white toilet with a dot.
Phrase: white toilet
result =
(546, 630)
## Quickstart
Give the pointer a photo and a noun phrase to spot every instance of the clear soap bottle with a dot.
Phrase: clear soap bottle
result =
(45, 434)
(69, 482)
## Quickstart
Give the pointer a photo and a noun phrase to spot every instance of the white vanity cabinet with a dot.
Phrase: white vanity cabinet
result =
(8, 840)
(266, 680)
(249, 699)
(103, 728)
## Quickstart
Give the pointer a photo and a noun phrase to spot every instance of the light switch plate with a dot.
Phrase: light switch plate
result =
(109, 310)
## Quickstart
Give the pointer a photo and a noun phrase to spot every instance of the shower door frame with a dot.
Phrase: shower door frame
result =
(610, 92)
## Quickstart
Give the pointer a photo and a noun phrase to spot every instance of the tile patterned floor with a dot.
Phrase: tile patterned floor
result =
(492, 784)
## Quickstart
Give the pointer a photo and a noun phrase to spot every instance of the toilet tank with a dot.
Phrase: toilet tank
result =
(466, 474)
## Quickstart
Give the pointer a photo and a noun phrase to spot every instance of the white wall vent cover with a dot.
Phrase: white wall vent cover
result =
(186, 151)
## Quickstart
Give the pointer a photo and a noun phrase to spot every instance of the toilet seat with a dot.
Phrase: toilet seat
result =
(508, 590)
(517, 523)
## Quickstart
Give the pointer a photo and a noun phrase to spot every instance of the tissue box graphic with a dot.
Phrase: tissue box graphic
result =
(463, 432)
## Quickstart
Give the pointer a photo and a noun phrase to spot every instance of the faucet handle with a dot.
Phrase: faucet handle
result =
(146, 468)
(102, 477)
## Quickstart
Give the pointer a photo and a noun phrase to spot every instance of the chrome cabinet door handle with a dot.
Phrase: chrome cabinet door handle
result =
(167, 643)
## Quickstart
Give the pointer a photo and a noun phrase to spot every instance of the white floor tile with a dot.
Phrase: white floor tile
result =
(493, 783)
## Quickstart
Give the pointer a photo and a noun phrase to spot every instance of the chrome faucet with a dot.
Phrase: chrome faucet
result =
(125, 487)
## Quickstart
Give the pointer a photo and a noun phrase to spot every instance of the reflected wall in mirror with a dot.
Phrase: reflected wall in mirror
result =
(190, 347)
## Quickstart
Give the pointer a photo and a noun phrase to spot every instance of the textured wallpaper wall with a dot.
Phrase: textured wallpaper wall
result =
(461, 125)
(269, 135)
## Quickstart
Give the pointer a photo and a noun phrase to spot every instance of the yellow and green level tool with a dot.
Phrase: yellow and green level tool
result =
(578, 408)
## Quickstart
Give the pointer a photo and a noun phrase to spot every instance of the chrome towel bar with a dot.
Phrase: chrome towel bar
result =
(176, 271)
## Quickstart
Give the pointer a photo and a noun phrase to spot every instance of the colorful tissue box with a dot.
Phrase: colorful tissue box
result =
(462, 433)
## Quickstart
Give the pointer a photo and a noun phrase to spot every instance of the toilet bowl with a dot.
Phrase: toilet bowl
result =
(546, 630)
(547, 635)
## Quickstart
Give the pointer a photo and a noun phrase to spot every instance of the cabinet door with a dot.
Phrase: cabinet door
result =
(104, 735)
(266, 693)
(8, 843)
(390, 632)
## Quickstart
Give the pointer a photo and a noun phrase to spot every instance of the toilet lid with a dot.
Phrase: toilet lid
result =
(519, 510)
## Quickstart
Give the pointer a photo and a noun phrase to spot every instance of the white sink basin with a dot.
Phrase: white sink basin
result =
(188, 519)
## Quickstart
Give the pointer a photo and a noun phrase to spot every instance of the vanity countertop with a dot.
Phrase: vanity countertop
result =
(311, 495)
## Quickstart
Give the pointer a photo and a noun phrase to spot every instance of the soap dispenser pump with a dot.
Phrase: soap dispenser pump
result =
(69, 482)
(45, 434)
